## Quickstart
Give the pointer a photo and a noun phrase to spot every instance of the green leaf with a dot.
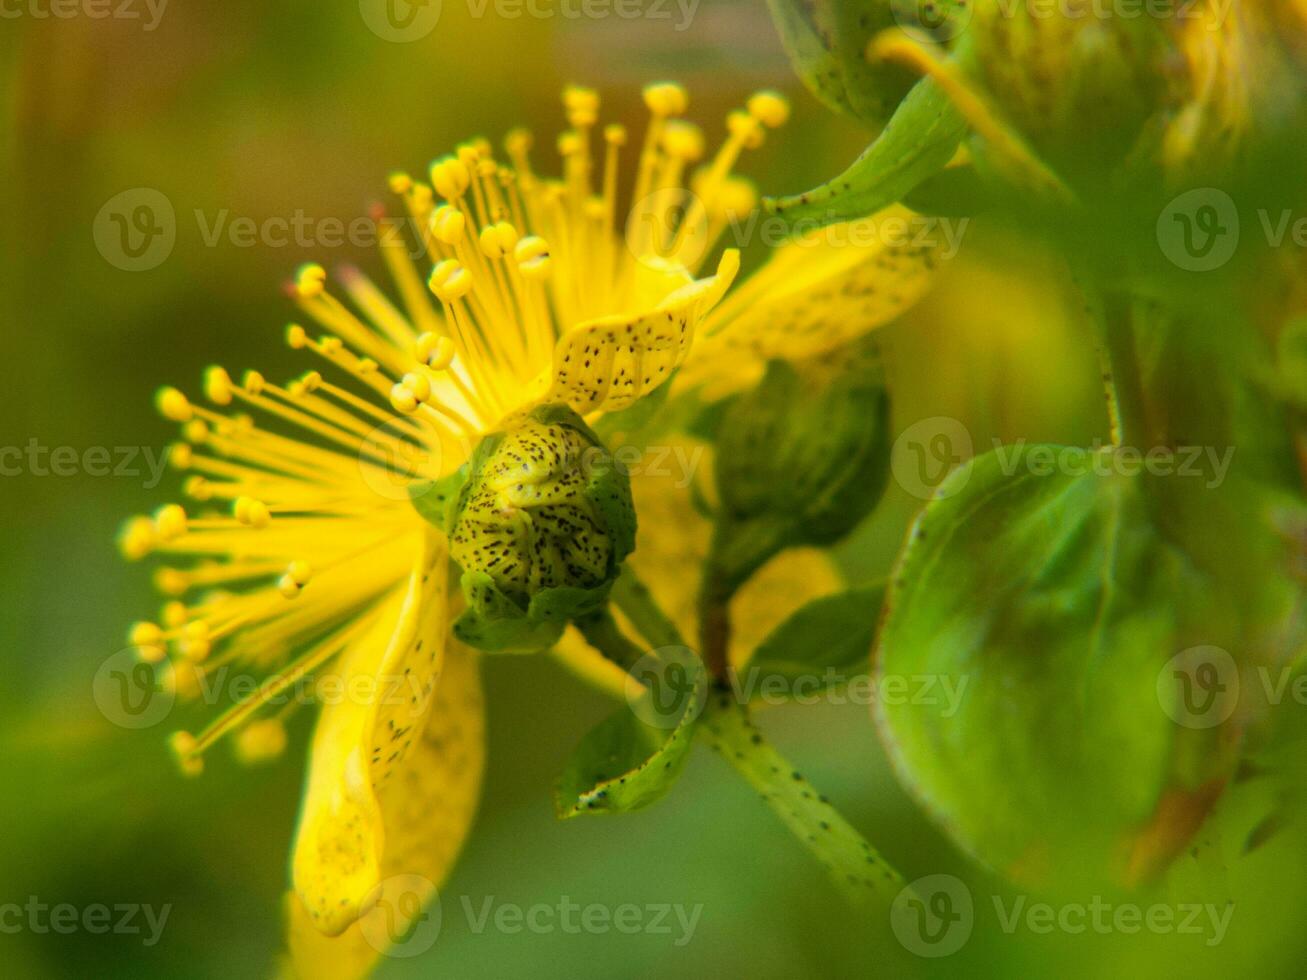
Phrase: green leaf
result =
(629, 762)
(916, 144)
(832, 634)
(826, 41)
(1049, 592)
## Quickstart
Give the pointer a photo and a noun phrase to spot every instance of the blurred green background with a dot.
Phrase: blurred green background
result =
(265, 110)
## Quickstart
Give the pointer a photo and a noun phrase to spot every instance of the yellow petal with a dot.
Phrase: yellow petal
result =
(814, 295)
(362, 737)
(672, 543)
(608, 363)
(428, 806)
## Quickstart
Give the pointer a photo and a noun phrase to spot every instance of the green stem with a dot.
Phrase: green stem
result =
(601, 632)
(855, 867)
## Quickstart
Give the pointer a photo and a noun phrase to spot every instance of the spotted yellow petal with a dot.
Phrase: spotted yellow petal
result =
(608, 363)
(427, 807)
(672, 543)
(363, 737)
(815, 294)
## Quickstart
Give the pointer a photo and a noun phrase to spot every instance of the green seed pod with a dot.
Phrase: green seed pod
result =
(540, 529)
(801, 459)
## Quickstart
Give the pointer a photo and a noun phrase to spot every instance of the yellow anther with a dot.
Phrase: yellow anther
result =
(253, 382)
(532, 256)
(170, 522)
(683, 140)
(569, 144)
(260, 741)
(744, 126)
(149, 642)
(365, 366)
(310, 280)
(173, 614)
(615, 133)
(737, 195)
(296, 337)
(422, 196)
(450, 281)
(196, 645)
(288, 587)
(195, 431)
(418, 384)
(173, 405)
(331, 345)
(145, 635)
(450, 176)
(582, 105)
(198, 488)
(136, 539)
(217, 386)
(183, 745)
(448, 224)
(171, 581)
(770, 108)
(311, 380)
(666, 98)
(517, 142)
(183, 679)
(498, 240)
(180, 455)
(400, 182)
(250, 512)
(468, 153)
(434, 350)
(402, 400)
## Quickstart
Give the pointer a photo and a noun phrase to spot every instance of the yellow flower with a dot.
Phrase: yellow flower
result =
(304, 559)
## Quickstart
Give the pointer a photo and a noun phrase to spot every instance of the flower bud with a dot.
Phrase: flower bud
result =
(801, 459)
(540, 529)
